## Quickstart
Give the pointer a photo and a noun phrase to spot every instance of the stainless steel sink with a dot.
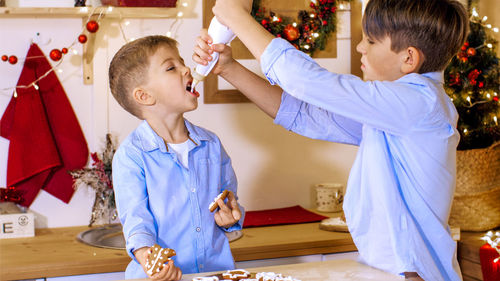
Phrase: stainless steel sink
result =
(108, 236)
(111, 236)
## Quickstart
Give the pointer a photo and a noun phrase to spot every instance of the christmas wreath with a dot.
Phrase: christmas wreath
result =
(311, 29)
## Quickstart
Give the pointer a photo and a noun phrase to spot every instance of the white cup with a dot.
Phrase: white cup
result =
(329, 197)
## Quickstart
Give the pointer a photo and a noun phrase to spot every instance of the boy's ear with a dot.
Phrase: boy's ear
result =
(141, 96)
(412, 60)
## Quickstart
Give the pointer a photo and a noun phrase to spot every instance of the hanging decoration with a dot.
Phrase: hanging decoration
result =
(11, 194)
(472, 81)
(91, 26)
(309, 32)
(489, 255)
(98, 177)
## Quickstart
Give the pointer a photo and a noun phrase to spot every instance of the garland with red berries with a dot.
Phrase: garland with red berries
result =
(309, 32)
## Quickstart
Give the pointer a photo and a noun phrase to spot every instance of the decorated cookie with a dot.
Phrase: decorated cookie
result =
(211, 278)
(268, 276)
(222, 196)
(334, 224)
(236, 274)
(157, 257)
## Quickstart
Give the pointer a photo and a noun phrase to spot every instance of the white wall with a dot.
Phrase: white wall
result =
(275, 168)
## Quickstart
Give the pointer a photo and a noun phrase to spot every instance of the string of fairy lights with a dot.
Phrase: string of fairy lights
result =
(493, 239)
(92, 26)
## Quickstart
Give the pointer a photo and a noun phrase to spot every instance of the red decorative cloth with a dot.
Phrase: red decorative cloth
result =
(289, 215)
(490, 269)
(45, 137)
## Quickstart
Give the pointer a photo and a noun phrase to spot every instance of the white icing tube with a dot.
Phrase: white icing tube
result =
(220, 35)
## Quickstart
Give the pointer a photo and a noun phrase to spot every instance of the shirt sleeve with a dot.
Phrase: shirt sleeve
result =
(313, 122)
(392, 106)
(132, 200)
(229, 182)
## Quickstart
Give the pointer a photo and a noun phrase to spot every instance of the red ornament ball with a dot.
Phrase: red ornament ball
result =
(92, 26)
(495, 98)
(13, 59)
(5, 58)
(64, 50)
(291, 32)
(82, 38)
(55, 55)
(471, 52)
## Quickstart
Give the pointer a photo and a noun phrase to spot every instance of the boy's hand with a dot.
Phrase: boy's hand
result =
(227, 11)
(203, 51)
(169, 272)
(229, 214)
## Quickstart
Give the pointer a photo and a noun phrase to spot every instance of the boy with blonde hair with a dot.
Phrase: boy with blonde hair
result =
(401, 185)
(168, 170)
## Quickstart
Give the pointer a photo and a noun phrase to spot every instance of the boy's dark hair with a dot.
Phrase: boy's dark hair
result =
(129, 68)
(438, 28)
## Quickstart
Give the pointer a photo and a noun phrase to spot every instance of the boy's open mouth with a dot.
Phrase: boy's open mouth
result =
(191, 90)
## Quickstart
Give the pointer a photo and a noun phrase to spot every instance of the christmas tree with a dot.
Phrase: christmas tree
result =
(472, 82)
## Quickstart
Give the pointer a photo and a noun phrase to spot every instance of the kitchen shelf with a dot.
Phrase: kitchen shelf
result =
(115, 12)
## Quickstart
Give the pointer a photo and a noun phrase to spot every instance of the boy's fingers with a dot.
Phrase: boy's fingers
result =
(202, 53)
(223, 207)
(236, 214)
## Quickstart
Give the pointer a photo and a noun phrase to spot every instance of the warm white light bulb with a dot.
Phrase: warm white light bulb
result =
(489, 45)
(35, 86)
(169, 34)
(185, 4)
(465, 131)
(294, 24)
(127, 23)
(180, 14)
(75, 52)
(495, 29)
(485, 18)
(488, 25)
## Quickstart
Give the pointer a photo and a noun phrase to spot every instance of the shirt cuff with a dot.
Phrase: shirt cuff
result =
(137, 241)
(273, 51)
(288, 111)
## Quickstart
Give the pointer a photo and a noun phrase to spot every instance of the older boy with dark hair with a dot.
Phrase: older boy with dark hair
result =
(167, 171)
(401, 185)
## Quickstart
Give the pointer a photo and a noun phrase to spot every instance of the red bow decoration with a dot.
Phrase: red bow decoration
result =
(10, 194)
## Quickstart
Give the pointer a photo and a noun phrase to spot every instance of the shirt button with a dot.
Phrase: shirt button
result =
(198, 229)
(193, 189)
(201, 266)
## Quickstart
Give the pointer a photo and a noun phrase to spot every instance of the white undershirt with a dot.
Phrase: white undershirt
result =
(182, 151)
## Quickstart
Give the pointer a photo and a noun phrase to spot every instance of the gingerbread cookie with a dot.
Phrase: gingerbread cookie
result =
(157, 257)
(222, 196)
(334, 224)
(236, 274)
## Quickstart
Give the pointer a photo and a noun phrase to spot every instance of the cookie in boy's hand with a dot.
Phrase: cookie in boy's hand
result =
(157, 257)
(222, 196)
(236, 274)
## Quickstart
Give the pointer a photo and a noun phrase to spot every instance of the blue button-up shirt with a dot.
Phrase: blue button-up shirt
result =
(401, 185)
(160, 201)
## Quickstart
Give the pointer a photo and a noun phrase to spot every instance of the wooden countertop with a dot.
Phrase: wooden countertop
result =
(339, 270)
(56, 252)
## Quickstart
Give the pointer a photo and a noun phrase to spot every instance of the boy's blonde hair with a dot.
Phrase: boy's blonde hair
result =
(129, 68)
(438, 28)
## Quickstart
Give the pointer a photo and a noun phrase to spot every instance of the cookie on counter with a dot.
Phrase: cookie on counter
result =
(334, 224)
(235, 274)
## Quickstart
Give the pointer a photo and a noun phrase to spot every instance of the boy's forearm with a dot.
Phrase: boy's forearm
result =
(258, 90)
(252, 34)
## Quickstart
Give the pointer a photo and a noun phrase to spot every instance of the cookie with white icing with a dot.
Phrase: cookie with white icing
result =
(334, 224)
(223, 195)
(157, 257)
(236, 274)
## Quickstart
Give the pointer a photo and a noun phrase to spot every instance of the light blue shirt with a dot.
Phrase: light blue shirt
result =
(401, 185)
(161, 202)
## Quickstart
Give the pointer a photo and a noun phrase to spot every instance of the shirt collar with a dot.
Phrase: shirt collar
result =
(150, 140)
(437, 76)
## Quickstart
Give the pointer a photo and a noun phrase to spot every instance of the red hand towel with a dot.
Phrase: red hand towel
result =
(45, 137)
(289, 215)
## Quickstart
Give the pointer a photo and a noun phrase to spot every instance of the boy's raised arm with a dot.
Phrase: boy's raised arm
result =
(256, 88)
(235, 15)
